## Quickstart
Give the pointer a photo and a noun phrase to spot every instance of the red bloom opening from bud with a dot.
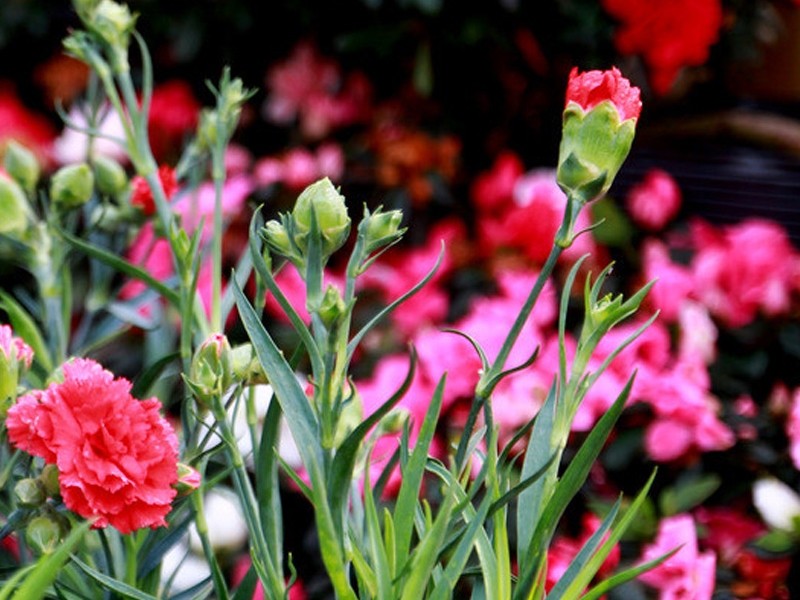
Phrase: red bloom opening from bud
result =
(593, 87)
(141, 195)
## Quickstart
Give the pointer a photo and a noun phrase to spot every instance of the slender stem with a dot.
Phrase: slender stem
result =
(131, 549)
(201, 526)
(218, 175)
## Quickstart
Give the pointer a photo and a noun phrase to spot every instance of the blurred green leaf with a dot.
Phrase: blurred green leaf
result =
(688, 494)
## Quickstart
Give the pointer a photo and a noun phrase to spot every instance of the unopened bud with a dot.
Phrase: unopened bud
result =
(22, 165)
(188, 479)
(113, 23)
(277, 237)
(49, 480)
(44, 533)
(246, 366)
(13, 208)
(332, 307)
(382, 229)
(109, 175)
(30, 492)
(321, 201)
(211, 373)
(72, 186)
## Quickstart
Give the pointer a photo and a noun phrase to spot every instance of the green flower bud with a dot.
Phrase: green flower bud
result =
(30, 492)
(14, 208)
(72, 186)
(246, 366)
(211, 372)
(44, 534)
(322, 202)
(113, 23)
(593, 147)
(332, 308)
(22, 165)
(277, 237)
(49, 480)
(382, 228)
(110, 176)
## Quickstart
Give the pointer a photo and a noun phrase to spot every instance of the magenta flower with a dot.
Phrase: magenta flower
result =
(686, 575)
(655, 201)
(117, 457)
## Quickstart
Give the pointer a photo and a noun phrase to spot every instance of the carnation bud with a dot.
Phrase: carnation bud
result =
(321, 202)
(332, 308)
(188, 479)
(109, 175)
(598, 129)
(277, 237)
(30, 492)
(49, 480)
(382, 228)
(72, 186)
(14, 208)
(22, 165)
(44, 533)
(15, 357)
(211, 373)
(245, 365)
(113, 23)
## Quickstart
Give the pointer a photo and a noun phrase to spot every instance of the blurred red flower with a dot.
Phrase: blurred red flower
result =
(668, 34)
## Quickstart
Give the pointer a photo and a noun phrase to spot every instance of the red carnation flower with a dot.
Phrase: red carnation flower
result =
(593, 87)
(141, 195)
(174, 112)
(668, 34)
(117, 457)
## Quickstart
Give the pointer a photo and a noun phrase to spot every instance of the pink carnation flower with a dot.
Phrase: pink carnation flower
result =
(744, 270)
(655, 201)
(593, 87)
(793, 429)
(686, 575)
(117, 457)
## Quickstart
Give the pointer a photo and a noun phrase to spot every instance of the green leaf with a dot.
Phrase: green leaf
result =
(341, 473)
(412, 477)
(688, 494)
(570, 483)
(143, 383)
(617, 579)
(590, 559)
(288, 391)
(267, 484)
(112, 584)
(777, 541)
(353, 344)
(537, 456)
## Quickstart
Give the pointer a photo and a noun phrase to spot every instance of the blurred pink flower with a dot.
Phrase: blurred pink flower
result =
(529, 224)
(493, 190)
(299, 167)
(697, 333)
(311, 89)
(674, 283)
(744, 270)
(655, 201)
(686, 575)
(153, 253)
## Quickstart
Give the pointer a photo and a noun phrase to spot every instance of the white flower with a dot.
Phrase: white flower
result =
(181, 569)
(227, 528)
(777, 503)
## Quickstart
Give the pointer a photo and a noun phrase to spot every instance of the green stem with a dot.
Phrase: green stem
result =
(201, 525)
(218, 175)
